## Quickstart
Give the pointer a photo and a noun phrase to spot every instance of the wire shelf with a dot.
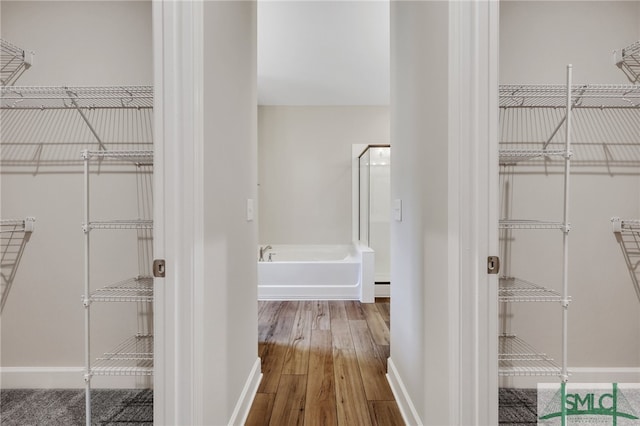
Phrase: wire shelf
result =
(11, 222)
(127, 154)
(529, 224)
(621, 225)
(86, 98)
(628, 60)
(517, 155)
(582, 95)
(13, 62)
(133, 357)
(517, 358)
(122, 224)
(513, 289)
(17, 225)
(138, 289)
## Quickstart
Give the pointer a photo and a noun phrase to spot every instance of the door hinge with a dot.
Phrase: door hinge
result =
(493, 265)
(159, 268)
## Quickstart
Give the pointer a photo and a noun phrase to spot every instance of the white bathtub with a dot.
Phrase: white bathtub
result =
(316, 272)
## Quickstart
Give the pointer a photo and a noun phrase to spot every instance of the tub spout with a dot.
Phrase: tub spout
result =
(263, 250)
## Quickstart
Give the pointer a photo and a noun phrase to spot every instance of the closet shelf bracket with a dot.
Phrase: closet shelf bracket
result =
(14, 235)
(72, 97)
(13, 62)
(628, 60)
(627, 233)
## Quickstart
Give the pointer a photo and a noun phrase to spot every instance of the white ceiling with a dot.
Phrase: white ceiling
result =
(323, 52)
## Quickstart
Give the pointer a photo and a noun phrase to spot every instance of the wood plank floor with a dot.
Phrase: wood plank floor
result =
(324, 363)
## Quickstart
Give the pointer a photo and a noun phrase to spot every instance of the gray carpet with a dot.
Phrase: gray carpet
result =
(518, 407)
(27, 407)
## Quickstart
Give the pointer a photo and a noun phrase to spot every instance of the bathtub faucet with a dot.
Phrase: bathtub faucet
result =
(263, 250)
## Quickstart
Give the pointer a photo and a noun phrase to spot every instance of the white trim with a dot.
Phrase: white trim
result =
(243, 406)
(178, 65)
(473, 211)
(604, 375)
(163, 367)
(400, 393)
(64, 378)
(578, 375)
(196, 197)
(382, 290)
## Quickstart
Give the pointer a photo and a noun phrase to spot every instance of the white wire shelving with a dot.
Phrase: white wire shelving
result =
(134, 357)
(48, 125)
(628, 60)
(138, 289)
(17, 225)
(13, 62)
(582, 96)
(508, 156)
(530, 224)
(512, 289)
(77, 97)
(14, 235)
(627, 233)
(532, 143)
(518, 358)
(605, 128)
(121, 224)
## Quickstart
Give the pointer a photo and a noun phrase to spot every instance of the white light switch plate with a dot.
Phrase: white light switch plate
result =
(249, 210)
(397, 210)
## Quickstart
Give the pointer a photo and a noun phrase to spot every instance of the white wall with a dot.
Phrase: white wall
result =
(443, 125)
(76, 43)
(304, 169)
(537, 40)
(230, 332)
(419, 177)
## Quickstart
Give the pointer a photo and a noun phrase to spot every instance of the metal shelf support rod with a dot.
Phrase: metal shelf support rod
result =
(565, 233)
(87, 292)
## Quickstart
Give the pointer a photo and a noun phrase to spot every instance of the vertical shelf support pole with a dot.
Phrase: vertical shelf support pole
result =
(565, 231)
(86, 302)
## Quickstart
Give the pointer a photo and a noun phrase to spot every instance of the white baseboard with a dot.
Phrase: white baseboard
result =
(65, 378)
(243, 406)
(578, 375)
(407, 409)
(383, 290)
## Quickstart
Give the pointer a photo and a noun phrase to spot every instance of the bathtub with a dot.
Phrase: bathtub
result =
(316, 272)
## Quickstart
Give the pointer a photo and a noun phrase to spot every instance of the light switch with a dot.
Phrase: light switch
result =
(397, 210)
(249, 210)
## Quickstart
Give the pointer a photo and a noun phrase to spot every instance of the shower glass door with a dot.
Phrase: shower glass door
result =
(375, 206)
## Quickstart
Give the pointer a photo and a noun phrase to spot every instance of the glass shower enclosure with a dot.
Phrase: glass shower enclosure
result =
(375, 207)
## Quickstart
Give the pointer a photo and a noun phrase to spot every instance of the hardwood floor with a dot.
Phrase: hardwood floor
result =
(324, 363)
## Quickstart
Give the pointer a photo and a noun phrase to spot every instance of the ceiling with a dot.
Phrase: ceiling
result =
(323, 52)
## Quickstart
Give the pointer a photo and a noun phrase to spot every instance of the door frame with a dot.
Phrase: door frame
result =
(178, 228)
(474, 194)
(178, 206)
